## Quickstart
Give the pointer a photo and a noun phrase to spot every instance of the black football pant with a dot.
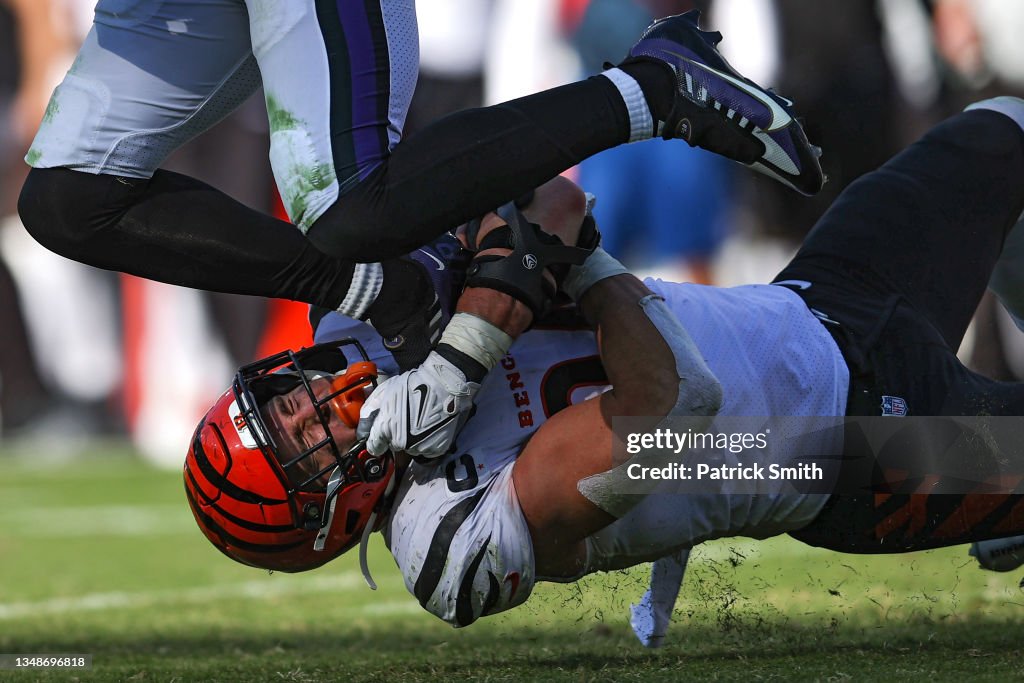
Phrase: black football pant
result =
(900, 262)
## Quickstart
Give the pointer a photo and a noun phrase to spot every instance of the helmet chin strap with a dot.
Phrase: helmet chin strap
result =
(331, 502)
(364, 542)
(327, 518)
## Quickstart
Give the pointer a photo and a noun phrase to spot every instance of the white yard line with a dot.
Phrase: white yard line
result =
(97, 520)
(257, 590)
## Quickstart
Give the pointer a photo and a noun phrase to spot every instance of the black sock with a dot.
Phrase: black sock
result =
(657, 80)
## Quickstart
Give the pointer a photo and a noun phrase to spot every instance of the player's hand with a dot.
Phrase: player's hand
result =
(420, 411)
(407, 312)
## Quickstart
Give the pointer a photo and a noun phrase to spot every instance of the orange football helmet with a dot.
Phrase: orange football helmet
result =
(248, 496)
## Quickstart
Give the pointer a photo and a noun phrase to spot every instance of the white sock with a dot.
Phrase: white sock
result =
(641, 121)
(367, 279)
(1012, 107)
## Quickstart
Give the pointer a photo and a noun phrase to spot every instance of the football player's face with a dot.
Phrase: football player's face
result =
(295, 428)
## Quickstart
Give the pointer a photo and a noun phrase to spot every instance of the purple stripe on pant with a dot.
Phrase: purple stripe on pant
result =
(369, 119)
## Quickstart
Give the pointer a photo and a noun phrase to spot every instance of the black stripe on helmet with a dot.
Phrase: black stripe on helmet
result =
(218, 480)
(233, 541)
(245, 524)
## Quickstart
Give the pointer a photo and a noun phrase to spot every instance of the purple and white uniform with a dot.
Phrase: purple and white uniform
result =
(338, 77)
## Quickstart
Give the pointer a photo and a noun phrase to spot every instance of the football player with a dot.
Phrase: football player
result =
(536, 488)
(338, 78)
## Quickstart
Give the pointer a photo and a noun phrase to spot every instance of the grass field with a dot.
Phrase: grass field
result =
(99, 555)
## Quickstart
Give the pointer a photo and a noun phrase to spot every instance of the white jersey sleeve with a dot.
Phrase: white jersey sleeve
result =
(460, 539)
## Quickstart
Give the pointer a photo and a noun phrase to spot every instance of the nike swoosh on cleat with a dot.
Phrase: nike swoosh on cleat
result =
(780, 117)
(440, 265)
(775, 154)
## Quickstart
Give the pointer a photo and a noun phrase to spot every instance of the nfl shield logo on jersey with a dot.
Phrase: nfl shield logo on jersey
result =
(894, 406)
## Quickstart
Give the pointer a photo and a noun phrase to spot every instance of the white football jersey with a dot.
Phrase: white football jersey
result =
(456, 529)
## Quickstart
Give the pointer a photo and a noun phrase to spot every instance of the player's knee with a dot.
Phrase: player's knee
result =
(359, 227)
(47, 210)
(58, 207)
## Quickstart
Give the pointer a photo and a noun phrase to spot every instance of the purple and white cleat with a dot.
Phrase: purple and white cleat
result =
(721, 111)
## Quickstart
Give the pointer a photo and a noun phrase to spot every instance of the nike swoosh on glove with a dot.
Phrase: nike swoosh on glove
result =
(420, 411)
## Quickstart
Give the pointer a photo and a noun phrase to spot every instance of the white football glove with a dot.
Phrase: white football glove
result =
(420, 411)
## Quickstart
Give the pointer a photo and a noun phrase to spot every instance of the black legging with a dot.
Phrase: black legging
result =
(175, 229)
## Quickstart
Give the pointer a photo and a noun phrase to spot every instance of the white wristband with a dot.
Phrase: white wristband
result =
(480, 340)
(598, 266)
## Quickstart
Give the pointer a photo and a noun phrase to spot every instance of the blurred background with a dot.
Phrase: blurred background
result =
(103, 377)
(88, 355)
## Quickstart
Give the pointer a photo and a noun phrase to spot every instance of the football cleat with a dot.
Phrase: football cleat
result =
(721, 111)
(999, 554)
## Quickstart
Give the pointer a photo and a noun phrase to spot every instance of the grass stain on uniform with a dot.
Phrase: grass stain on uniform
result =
(295, 157)
(52, 109)
(280, 118)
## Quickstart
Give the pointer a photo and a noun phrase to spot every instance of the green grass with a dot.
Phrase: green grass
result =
(99, 555)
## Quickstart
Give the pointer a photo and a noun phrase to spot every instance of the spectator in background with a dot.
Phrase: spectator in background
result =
(528, 50)
(453, 46)
(514, 48)
(22, 392)
(482, 52)
(643, 189)
(831, 61)
(979, 44)
(114, 335)
(49, 307)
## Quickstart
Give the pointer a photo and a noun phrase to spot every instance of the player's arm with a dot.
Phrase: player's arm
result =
(568, 479)
(559, 207)
(422, 410)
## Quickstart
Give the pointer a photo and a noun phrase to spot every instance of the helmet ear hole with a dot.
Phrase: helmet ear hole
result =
(373, 469)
